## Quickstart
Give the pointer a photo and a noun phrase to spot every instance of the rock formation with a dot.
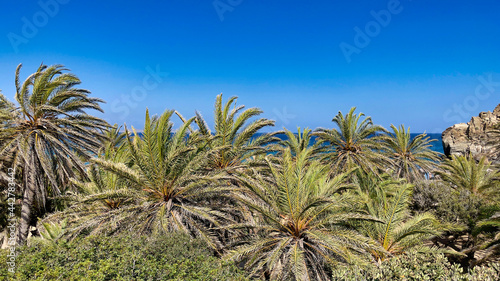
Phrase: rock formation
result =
(474, 137)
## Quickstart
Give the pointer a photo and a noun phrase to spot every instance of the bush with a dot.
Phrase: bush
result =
(173, 257)
(452, 206)
(416, 266)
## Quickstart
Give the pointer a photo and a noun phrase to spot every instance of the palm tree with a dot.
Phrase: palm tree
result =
(300, 217)
(300, 142)
(233, 141)
(396, 231)
(102, 191)
(489, 229)
(412, 158)
(114, 142)
(355, 143)
(53, 231)
(105, 186)
(171, 193)
(463, 172)
(5, 163)
(49, 135)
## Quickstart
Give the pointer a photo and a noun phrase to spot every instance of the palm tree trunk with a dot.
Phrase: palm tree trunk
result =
(28, 200)
(26, 210)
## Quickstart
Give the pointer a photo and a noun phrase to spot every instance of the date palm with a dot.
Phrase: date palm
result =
(489, 229)
(105, 186)
(234, 140)
(356, 143)
(102, 192)
(171, 193)
(299, 142)
(396, 231)
(463, 172)
(299, 226)
(49, 135)
(412, 158)
(7, 114)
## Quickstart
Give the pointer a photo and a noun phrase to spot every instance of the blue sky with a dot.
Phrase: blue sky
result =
(425, 64)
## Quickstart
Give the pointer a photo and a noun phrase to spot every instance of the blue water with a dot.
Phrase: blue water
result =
(436, 145)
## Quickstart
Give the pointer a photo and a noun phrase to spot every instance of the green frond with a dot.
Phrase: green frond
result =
(463, 172)
(300, 217)
(356, 143)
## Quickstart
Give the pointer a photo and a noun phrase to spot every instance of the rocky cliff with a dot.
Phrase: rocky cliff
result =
(473, 137)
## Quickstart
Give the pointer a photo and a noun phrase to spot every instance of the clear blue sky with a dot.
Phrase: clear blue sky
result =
(423, 67)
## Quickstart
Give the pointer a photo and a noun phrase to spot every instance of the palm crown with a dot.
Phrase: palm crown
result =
(463, 172)
(233, 140)
(171, 193)
(412, 158)
(356, 143)
(49, 134)
(394, 229)
(300, 217)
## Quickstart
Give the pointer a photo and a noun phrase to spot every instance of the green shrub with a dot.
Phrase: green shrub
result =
(172, 257)
(460, 207)
(416, 266)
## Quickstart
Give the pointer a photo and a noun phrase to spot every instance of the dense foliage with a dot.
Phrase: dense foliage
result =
(125, 257)
(49, 135)
(182, 201)
(415, 267)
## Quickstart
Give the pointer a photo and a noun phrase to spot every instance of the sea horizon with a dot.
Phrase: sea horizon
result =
(437, 145)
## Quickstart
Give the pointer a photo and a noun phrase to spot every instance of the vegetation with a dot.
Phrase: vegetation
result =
(412, 157)
(355, 144)
(165, 191)
(301, 227)
(462, 172)
(416, 266)
(461, 213)
(181, 201)
(300, 142)
(395, 230)
(122, 257)
(232, 143)
(48, 136)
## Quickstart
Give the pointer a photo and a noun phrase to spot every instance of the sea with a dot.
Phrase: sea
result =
(437, 145)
